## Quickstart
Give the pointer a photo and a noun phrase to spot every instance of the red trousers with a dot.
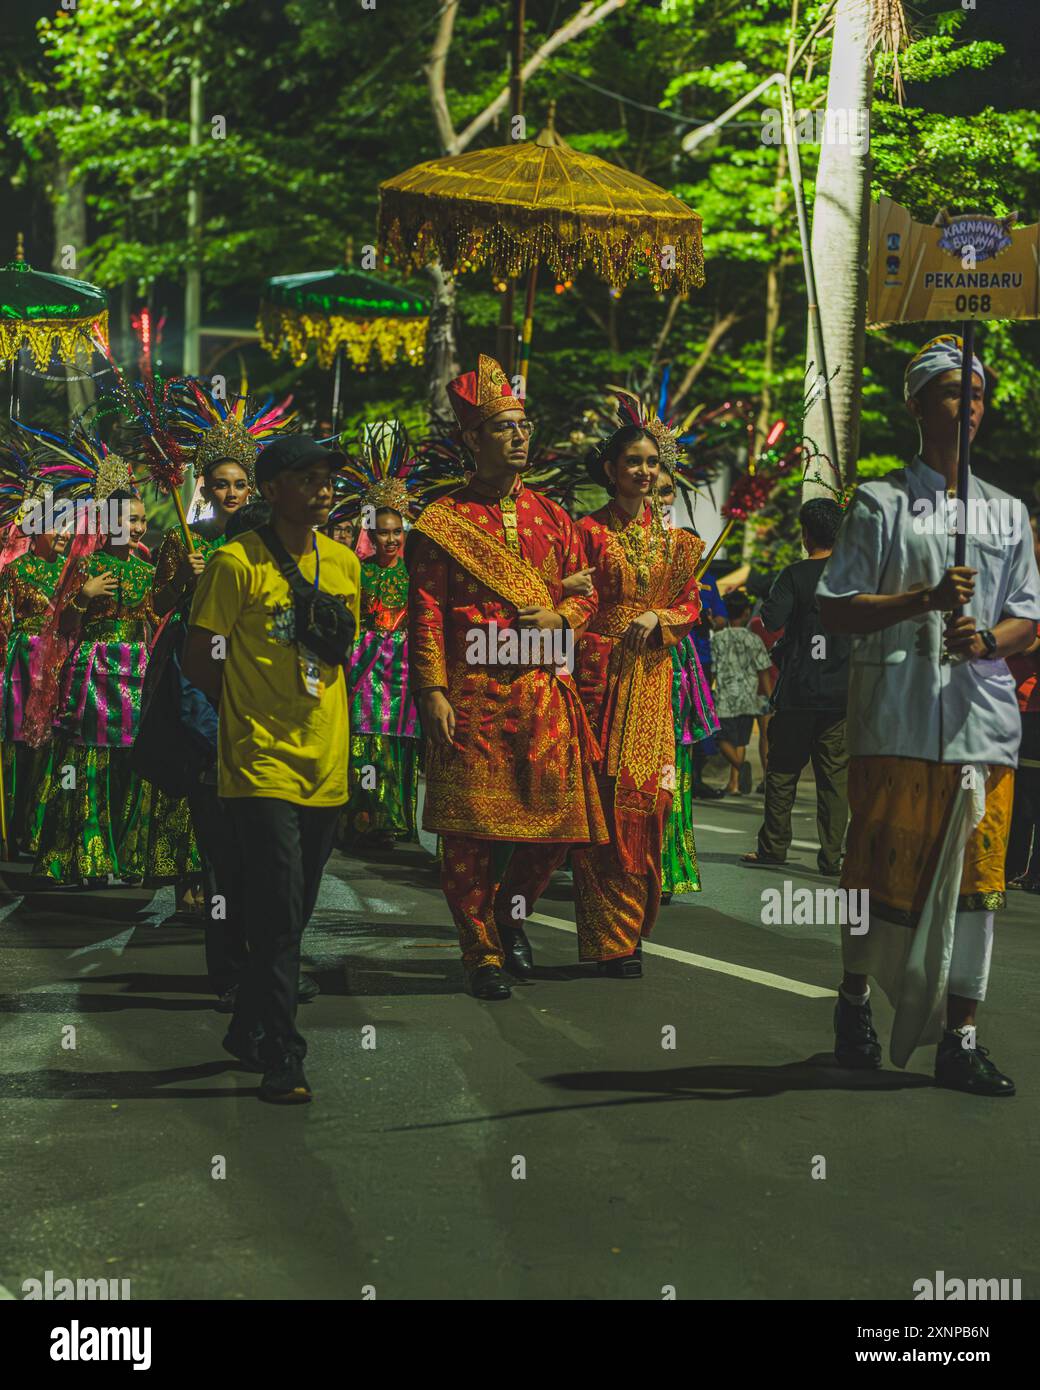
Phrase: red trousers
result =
(484, 891)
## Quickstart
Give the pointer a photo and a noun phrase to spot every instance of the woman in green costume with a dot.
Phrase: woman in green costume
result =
(384, 725)
(171, 850)
(91, 802)
(27, 586)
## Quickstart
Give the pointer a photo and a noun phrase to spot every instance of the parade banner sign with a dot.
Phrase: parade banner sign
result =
(964, 267)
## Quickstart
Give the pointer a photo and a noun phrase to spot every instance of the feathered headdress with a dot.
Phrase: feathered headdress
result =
(380, 473)
(634, 410)
(17, 485)
(211, 428)
(147, 409)
(79, 464)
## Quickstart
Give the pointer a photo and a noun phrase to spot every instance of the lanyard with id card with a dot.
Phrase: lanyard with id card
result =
(310, 666)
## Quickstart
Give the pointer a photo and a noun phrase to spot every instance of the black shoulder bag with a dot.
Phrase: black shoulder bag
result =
(323, 622)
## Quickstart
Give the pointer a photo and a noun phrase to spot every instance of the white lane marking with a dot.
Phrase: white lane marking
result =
(8, 908)
(721, 967)
(725, 830)
(118, 944)
(336, 896)
(162, 905)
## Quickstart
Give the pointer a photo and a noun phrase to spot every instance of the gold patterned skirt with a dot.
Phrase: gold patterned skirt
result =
(899, 809)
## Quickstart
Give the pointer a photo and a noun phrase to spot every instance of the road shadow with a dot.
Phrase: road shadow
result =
(73, 1001)
(52, 1083)
(819, 1072)
(719, 1082)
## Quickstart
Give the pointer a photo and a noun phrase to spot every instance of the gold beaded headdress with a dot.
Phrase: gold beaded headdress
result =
(380, 473)
(215, 428)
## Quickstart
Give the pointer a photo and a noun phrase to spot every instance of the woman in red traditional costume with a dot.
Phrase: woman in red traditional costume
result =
(645, 577)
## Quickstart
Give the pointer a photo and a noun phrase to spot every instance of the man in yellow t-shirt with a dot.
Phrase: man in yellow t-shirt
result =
(282, 744)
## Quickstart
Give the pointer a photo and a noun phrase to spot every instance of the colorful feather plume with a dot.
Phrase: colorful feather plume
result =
(381, 472)
(211, 428)
(79, 464)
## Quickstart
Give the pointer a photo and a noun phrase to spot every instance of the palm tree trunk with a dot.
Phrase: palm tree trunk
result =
(839, 231)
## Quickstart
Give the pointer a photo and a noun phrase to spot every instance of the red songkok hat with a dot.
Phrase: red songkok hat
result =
(476, 396)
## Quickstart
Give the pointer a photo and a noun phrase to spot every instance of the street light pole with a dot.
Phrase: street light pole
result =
(707, 132)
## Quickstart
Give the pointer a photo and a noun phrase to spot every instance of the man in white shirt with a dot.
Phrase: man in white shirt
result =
(933, 732)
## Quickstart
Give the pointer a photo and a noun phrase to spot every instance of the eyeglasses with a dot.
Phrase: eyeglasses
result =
(504, 427)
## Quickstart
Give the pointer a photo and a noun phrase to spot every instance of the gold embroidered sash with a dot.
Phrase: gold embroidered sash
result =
(487, 559)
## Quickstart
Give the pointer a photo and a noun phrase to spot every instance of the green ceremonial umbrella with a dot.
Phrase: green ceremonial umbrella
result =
(341, 312)
(48, 314)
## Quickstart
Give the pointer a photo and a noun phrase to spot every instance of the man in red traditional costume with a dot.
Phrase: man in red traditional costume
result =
(646, 576)
(509, 756)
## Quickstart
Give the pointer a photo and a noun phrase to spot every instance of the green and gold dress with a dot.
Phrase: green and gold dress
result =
(27, 587)
(92, 804)
(384, 723)
(171, 851)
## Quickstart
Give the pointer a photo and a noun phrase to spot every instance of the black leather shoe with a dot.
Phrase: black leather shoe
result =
(666, 898)
(961, 1068)
(226, 1001)
(624, 967)
(285, 1083)
(703, 792)
(519, 958)
(307, 988)
(855, 1042)
(488, 982)
(244, 1050)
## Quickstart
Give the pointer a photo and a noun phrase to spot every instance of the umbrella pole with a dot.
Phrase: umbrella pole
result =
(12, 408)
(525, 340)
(335, 390)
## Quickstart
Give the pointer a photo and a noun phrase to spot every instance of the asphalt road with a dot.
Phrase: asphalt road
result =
(548, 1147)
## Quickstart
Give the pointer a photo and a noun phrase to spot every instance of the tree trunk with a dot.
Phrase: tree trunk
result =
(69, 213)
(839, 234)
(442, 363)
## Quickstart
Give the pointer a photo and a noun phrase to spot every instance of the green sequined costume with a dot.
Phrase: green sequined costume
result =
(384, 724)
(695, 719)
(92, 804)
(27, 586)
(169, 850)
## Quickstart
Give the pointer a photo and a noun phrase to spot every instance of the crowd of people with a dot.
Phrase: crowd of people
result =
(303, 653)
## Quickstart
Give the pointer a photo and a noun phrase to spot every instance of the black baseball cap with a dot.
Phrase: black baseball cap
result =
(292, 452)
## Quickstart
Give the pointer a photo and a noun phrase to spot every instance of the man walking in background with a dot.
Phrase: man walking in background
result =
(809, 700)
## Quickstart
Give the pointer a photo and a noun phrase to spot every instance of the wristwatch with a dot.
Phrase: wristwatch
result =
(988, 641)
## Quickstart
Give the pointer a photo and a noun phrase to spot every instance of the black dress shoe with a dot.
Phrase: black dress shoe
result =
(703, 792)
(488, 982)
(307, 988)
(969, 1069)
(285, 1084)
(855, 1042)
(666, 898)
(226, 1001)
(624, 967)
(519, 958)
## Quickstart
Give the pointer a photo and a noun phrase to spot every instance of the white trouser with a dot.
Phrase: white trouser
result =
(972, 950)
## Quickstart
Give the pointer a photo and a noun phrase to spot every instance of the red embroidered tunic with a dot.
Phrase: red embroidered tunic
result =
(521, 768)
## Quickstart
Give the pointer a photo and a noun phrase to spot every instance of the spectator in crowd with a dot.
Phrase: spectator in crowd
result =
(1023, 852)
(741, 665)
(809, 700)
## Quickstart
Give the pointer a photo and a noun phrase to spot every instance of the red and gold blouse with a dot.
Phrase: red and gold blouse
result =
(627, 694)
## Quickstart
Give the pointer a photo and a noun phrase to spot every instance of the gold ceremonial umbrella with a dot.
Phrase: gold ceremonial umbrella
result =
(516, 206)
